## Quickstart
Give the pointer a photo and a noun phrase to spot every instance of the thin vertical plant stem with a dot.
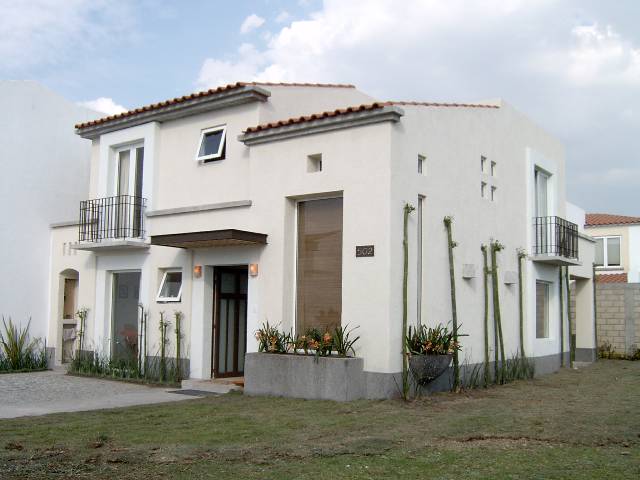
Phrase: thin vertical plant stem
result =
(454, 314)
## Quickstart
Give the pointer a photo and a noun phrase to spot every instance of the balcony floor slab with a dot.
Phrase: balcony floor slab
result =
(114, 244)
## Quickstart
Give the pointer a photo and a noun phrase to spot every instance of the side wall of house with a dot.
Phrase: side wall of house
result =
(45, 175)
(453, 141)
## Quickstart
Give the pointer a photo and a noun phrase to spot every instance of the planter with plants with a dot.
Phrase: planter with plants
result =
(314, 365)
(430, 351)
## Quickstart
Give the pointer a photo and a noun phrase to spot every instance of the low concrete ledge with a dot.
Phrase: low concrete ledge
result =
(304, 376)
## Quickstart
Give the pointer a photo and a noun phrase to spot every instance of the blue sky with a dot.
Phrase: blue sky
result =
(571, 65)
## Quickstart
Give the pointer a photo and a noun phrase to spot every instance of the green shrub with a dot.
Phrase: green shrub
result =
(18, 351)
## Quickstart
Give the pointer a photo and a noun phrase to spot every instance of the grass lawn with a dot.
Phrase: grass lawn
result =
(573, 424)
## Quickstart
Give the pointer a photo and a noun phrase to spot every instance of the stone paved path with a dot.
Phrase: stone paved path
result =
(26, 394)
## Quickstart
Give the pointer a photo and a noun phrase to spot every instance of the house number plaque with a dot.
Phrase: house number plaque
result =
(364, 250)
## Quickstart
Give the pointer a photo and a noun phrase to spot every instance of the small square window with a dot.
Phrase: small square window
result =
(483, 189)
(422, 164)
(483, 164)
(494, 193)
(493, 168)
(314, 163)
(212, 144)
(170, 287)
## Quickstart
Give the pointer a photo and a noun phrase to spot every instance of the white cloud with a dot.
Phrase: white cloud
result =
(250, 23)
(595, 56)
(104, 105)
(41, 32)
(283, 17)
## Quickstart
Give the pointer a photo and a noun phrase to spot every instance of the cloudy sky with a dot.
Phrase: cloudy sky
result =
(572, 65)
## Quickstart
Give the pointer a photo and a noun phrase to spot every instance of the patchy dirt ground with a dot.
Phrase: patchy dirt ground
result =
(573, 424)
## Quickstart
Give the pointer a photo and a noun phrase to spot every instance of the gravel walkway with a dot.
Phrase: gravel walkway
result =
(40, 393)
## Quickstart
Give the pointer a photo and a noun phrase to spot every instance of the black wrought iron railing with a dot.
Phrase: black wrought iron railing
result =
(555, 236)
(118, 217)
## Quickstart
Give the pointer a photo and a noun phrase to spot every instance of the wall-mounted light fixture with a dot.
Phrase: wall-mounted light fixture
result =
(253, 269)
(197, 271)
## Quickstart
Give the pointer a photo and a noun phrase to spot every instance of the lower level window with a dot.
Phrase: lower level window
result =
(170, 286)
(542, 310)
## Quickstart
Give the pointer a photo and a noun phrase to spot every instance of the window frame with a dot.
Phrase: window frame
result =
(547, 290)
(214, 156)
(177, 298)
(605, 254)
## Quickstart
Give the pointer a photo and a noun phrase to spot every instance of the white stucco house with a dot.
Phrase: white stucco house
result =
(247, 203)
(46, 174)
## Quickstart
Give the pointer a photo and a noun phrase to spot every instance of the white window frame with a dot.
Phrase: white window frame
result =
(218, 154)
(178, 297)
(547, 313)
(605, 259)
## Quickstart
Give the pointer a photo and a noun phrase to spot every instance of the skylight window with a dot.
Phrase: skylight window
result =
(212, 144)
(170, 287)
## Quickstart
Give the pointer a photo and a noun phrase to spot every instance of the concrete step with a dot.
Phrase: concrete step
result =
(214, 386)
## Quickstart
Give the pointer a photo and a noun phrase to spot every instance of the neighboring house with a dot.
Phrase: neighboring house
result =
(617, 246)
(46, 174)
(617, 262)
(247, 203)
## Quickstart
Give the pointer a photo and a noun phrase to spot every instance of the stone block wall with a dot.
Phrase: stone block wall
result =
(618, 316)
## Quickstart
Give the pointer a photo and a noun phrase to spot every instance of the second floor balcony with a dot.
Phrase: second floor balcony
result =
(555, 241)
(112, 222)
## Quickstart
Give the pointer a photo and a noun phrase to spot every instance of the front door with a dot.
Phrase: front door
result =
(229, 321)
(124, 316)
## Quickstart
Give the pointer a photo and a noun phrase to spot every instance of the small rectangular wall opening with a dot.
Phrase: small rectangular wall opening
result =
(422, 164)
(314, 163)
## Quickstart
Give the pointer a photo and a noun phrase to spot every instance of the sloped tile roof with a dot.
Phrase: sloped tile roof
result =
(355, 109)
(596, 219)
(611, 278)
(205, 93)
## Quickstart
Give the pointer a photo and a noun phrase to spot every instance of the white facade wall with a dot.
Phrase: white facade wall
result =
(633, 275)
(45, 175)
(374, 169)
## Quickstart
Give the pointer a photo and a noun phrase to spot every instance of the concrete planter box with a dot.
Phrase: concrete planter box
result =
(304, 376)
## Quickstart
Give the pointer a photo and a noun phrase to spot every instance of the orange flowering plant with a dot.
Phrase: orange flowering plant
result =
(313, 341)
(438, 340)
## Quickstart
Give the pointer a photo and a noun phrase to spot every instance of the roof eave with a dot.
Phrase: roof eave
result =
(226, 99)
(322, 125)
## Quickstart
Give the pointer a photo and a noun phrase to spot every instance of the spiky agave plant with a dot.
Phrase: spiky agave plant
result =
(16, 346)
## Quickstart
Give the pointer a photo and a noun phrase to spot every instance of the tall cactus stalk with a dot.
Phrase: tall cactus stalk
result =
(572, 347)
(495, 248)
(454, 314)
(521, 257)
(178, 318)
(408, 208)
(561, 296)
(595, 308)
(485, 283)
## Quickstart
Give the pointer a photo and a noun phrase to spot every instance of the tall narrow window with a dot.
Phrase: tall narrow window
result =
(422, 166)
(494, 194)
(319, 265)
(483, 189)
(483, 164)
(542, 310)
(419, 272)
(542, 195)
(493, 169)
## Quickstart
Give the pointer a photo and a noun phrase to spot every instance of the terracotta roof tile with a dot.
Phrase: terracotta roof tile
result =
(611, 278)
(357, 108)
(205, 93)
(596, 219)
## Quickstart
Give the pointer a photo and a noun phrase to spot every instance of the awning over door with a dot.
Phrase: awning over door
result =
(211, 238)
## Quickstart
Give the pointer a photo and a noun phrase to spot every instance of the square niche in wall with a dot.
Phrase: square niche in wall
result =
(314, 163)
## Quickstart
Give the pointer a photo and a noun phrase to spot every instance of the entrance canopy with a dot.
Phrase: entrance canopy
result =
(210, 238)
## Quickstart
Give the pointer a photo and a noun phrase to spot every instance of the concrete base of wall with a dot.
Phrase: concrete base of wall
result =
(343, 379)
(51, 356)
(303, 376)
(586, 355)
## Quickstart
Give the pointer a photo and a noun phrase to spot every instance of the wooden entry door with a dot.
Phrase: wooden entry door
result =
(229, 321)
